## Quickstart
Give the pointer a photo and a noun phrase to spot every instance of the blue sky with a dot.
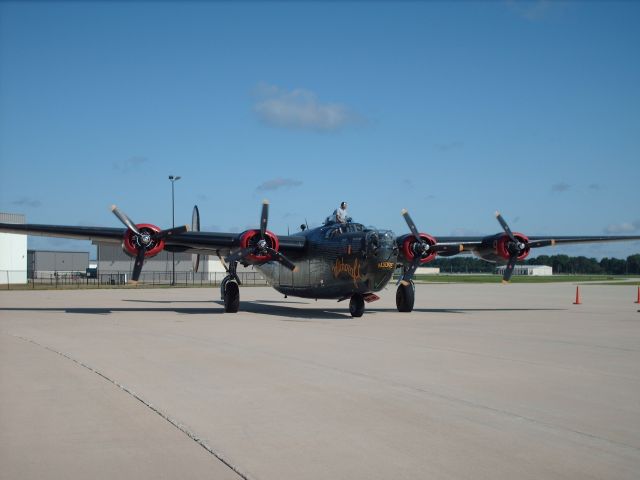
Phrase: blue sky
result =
(451, 110)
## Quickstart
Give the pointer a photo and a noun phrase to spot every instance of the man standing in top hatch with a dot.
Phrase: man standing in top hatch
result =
(341, 213)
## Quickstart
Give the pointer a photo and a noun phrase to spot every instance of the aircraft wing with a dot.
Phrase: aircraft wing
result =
(452, 245)
(215, 243)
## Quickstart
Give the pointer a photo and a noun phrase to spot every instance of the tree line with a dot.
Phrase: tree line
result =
(561, 264)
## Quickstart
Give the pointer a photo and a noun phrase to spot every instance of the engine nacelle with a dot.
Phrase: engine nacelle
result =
(498, 248)
(132, 242)
(250, 239)
(407, 247)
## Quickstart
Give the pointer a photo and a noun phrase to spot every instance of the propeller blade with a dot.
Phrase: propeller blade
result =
(509, 270)
(278, 257)
(137, 267)
(506, 227)
(264, 216)
(171, 231)
(412, 226)
(238, 254)
(195, 226)
(125, 220)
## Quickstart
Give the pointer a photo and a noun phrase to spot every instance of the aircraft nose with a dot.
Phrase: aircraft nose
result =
(373, 244)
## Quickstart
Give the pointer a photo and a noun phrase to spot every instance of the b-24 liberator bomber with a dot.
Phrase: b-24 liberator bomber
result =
(343, 261)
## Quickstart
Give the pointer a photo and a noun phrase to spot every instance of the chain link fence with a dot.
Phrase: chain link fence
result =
(17, 280)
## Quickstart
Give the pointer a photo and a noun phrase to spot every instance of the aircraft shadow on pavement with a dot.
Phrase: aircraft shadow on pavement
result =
(107, 310)
(282, 310)
(260, 307)
(275, 308)
(165, 301)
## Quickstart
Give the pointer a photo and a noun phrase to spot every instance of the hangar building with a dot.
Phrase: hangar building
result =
(537, 270)
(115, 266)
(45, 263)
(13, 252)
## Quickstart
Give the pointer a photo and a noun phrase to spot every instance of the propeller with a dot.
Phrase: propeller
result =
(145, 239)
(262, 248)
(420, 249)
(515, 248)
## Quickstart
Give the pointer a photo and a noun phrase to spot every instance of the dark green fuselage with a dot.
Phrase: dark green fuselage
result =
(338, 261)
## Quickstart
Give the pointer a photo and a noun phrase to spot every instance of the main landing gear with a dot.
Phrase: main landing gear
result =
(230, 290)
(356, 305)
(405, 296)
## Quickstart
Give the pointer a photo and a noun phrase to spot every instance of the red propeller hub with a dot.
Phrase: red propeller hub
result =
(132, 242)
(251, 239)
(409, 248)
(502, 246)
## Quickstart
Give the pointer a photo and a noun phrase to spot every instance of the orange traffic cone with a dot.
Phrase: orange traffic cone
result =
(638, 300)
(577, 302)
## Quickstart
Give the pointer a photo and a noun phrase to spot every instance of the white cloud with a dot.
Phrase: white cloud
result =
(27, 202)
(560, 187)
(130, 165)
(300, 109)
(446, 147)
(531, 10)
(277, 183)
(623, 228)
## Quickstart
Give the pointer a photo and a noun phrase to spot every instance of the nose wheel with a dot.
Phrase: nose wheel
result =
(405, 296)
(356, 305)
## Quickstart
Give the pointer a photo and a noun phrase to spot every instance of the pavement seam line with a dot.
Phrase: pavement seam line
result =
(192, 435)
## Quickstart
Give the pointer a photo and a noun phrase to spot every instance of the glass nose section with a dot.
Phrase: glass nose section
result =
(380, 244)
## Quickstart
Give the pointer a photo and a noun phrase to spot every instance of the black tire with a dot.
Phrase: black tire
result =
(356, 305)
(231, 297)
(223, 286)
(405, 297)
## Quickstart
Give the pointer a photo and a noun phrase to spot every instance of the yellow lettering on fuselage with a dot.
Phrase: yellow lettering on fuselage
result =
(386, 266)
(352, 270)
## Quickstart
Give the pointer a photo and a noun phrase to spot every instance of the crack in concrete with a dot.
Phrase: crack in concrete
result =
(183, 428)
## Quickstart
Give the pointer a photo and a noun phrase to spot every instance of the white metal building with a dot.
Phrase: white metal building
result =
(47, 263)
(114, 263)
(13, 252)
(538, 270)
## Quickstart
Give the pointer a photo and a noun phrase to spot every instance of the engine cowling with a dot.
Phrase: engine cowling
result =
(250, 239)
(409, 244)
(499, 248)
(131, 243)
(502, 246)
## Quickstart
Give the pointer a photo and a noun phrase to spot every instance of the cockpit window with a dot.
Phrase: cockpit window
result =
(338, 230)
(333, 232)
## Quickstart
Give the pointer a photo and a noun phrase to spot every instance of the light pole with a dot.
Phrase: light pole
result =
(173, 223)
